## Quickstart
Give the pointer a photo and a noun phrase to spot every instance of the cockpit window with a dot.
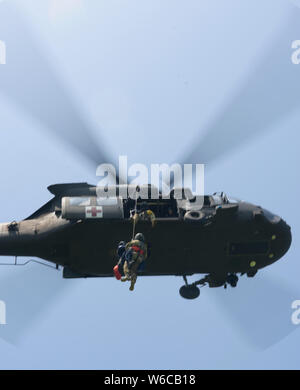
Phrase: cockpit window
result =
(249, 248)
(271, 217)
(233, 200)
(217, 200)
(220, 198)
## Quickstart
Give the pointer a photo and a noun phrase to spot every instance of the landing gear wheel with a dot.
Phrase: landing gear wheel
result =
(189, 292)
(232, 279)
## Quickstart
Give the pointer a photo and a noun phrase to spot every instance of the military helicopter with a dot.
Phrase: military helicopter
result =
(79, 231)
(52, 105)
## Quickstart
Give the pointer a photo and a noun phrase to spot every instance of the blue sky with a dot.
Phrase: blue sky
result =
(150, 77)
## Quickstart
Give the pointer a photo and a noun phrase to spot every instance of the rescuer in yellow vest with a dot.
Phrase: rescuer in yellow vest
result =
(136, 255)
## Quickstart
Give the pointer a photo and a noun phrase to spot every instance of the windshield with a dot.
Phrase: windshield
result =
(220, 198)
(271, 217)
(231, 199)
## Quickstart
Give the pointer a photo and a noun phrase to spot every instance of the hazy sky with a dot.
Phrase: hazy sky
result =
(149, 78)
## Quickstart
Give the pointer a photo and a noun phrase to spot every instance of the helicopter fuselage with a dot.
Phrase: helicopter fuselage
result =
(219, 239)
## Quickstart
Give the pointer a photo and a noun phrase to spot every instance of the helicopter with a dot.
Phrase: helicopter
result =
(221, 238)
(69, 125)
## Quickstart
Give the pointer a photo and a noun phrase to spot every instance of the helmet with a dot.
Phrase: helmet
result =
(139, 237)
(122, 243)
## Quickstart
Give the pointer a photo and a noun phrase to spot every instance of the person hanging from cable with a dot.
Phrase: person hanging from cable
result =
(132, 256)
(121, 253)
(136, 253)
(129, 263)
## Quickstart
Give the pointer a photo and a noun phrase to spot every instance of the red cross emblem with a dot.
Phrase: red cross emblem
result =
(94, 212)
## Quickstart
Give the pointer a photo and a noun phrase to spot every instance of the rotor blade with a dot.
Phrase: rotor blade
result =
(31, 83)
(270, 92)
(27, 292)
(261, 307)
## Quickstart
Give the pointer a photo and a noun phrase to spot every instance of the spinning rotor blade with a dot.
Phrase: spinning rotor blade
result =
(261, 307)
(31, 83)
(268, 95)
(27, 292)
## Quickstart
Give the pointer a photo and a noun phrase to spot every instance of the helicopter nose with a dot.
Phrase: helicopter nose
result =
(281, 240)
(279, 232)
